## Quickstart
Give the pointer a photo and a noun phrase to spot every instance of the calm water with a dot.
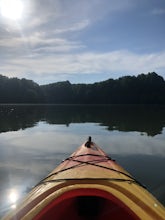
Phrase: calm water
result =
(34, 139)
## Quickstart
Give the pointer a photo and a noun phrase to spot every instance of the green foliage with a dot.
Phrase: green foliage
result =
(143, 89)
(14, 90)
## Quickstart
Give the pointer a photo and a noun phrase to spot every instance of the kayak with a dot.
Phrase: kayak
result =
(89, 185)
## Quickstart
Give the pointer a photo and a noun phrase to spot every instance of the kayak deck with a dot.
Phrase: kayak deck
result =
(85, 202)
(89, 185)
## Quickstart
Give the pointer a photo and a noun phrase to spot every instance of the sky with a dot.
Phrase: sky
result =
(80, 40)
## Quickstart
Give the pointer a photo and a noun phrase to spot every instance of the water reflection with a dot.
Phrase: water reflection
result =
(145, 119)
(13, 197)
(34, 139)
(9, 199)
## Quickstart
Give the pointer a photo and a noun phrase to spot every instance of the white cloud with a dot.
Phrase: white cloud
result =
(116, 62)
(75, 27)
(58, 14)
(37, 44)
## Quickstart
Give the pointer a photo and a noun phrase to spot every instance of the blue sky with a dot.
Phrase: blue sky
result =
(81, 40)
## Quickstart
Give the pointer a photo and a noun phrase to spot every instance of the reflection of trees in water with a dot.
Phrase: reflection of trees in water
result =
(147, 119)
(15, 117)
(144, 119)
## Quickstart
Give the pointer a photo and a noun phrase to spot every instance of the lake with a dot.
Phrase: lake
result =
(36, 138)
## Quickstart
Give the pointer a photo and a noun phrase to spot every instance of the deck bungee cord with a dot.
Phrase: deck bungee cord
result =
(93, 163)
(94, 179)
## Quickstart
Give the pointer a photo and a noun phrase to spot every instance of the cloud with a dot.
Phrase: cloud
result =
(158, 11)
(115, 62)
(56, 14)
(38, 44)
(75, 27)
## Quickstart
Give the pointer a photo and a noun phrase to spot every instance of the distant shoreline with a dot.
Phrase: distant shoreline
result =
(131, 90)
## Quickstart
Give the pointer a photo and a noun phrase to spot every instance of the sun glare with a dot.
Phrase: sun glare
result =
(11, 9)
(13, 196)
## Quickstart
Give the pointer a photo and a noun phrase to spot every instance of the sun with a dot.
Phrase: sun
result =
(11, 9)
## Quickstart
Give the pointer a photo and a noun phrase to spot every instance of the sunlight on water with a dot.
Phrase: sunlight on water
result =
(13, 196)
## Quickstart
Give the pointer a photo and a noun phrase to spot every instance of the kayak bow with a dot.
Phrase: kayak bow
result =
(89, 185)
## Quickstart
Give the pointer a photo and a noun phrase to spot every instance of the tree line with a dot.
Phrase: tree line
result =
(142, 89)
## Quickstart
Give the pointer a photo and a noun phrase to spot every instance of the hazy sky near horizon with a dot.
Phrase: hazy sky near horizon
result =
(81, 40)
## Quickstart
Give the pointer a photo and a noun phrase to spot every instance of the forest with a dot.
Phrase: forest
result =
(142, 89)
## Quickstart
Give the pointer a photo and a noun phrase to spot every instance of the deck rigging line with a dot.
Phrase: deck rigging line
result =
(93, 163)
